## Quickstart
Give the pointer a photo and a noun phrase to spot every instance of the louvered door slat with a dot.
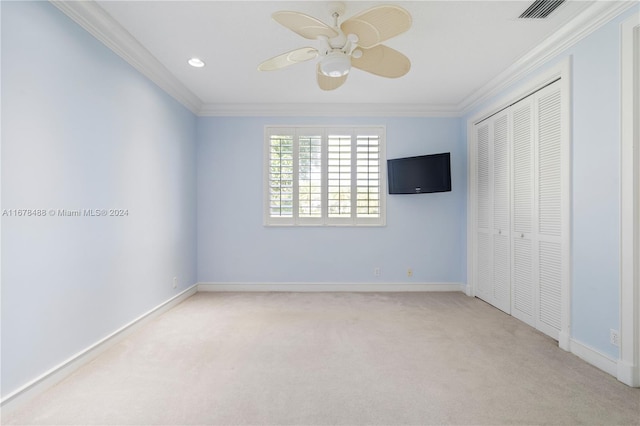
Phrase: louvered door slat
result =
(523, 283)
(485, 269)
(523, 290)
(483, 203)
(549, 211)
(482, 167)
(522, 168)
(549, 179)
(501, 293)
(549, 261)
(501, 208)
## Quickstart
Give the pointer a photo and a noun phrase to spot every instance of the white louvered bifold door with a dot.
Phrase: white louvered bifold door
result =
(523, 294)
(484, 261)
(501, 291)
(521, 208)
(549, 203)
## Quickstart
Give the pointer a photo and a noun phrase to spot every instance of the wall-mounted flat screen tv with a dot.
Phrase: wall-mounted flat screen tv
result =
(419, 175)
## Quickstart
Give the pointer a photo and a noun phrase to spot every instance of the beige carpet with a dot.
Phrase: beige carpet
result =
(335, 358)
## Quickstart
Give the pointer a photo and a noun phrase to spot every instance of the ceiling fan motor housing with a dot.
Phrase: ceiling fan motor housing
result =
(335, 64)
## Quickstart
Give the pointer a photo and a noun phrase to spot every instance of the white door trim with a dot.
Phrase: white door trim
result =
(629, 359)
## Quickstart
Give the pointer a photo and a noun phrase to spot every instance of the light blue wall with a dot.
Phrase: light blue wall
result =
(425, 232)
(81, 129)
(595, 183)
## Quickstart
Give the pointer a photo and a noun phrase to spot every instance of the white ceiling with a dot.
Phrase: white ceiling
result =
(456, 49)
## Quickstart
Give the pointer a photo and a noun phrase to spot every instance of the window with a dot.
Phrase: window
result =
(324, 176)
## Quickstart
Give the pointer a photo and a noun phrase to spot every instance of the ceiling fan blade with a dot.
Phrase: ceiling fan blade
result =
(383, 61)
(329, 83)
(375, 25)
(289, 58)
(304, 25)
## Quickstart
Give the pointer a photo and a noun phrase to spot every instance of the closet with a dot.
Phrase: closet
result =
(520, 186)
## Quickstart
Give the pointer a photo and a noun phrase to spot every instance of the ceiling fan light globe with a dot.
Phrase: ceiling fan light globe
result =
(335, 64)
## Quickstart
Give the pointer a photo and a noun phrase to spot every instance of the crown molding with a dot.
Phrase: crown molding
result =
(592, 18)
(329, 110)
(90, 16)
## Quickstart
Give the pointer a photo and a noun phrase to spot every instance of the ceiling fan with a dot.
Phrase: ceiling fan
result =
(355, 43)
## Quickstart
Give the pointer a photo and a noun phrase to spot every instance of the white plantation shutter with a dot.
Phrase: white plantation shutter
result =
(324, 176)
(281, 173)
(310, 176)
(339, 175)
(369, 175)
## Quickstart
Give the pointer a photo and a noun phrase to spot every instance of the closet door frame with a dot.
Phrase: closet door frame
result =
(561, 71)
(629, 360)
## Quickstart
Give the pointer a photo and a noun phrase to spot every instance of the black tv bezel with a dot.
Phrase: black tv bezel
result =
(394, 162)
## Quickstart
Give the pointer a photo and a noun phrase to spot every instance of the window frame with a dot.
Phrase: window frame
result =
(324, 132)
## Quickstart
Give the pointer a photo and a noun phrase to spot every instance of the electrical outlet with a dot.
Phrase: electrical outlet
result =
(409, 272)
(376, 271)
(175, 282)
(614, 337)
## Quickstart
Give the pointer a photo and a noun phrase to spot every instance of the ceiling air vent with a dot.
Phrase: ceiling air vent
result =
(540, 9)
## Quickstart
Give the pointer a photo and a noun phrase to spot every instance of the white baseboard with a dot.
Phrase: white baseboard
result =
(628, 374)
(321, 287)
(56, 374)
(564, 341)
(595, 358)
(468, 290)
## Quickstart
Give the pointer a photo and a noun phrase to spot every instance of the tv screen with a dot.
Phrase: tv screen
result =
(419, 175)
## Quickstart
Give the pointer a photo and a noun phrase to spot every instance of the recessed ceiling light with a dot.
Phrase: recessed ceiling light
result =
(196, 62)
